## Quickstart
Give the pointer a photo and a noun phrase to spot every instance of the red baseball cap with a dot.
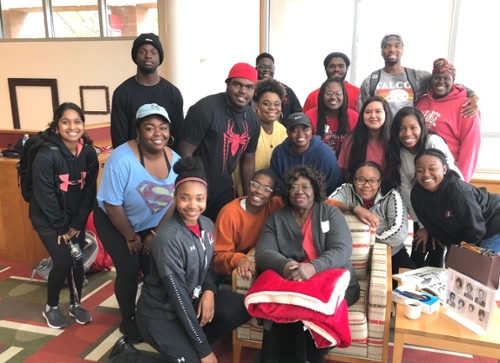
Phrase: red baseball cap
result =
(243, 70)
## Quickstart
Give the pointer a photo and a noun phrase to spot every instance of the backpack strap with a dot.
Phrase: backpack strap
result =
(412, 78)
(374, 80)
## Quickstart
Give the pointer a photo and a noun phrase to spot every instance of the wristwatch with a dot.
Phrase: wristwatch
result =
(351, 208)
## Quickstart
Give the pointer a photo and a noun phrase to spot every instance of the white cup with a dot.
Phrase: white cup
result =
(413, 308)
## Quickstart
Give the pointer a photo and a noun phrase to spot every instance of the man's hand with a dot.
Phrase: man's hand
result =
(206, 308)
(367, 217)
(469, 108)
(245, 268)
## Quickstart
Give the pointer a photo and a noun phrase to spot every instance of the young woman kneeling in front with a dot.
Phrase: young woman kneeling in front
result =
(180, 312)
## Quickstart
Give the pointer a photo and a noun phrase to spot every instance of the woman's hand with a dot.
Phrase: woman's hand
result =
(367, 217)
(73, 232)
(63, 238)
(211, 358)
(420, 236)
(206, 308)
(245, 268)
(303, 272)
(289, 269)
(147, 244)
(135, 246)
(469, 108)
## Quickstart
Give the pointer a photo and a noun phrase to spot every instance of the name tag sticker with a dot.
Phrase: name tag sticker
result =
(325, 226)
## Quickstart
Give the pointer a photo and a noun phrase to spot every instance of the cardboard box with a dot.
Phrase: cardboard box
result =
(428, 307)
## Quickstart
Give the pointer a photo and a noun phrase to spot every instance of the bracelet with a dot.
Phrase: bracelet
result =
(153, 232)
(133, 239)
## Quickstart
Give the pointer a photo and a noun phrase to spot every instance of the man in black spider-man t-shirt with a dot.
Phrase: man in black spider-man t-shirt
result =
(223, 131)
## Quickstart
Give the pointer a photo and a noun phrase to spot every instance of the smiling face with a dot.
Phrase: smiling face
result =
(301, 194)
(300, 137)
(265, 68)
(70, 126)
(334, 96)
(153, 133)
(409, 133)
(441, 84)
(336, 68)
(147, 59)
(370, 178)
(239, 92)
(269, 107)
(374, 115)
(191, 201)
(429, 172)
(392, 51)
(260, 191)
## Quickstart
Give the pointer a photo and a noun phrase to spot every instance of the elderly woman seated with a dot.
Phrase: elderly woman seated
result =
(303, 238)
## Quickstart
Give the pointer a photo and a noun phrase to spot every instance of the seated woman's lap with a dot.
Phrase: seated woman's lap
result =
(492, 243)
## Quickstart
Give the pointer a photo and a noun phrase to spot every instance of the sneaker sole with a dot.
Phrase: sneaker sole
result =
(78, 321)
(52, 326)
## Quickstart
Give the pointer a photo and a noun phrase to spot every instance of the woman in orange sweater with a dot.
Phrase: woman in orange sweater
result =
(238, 225)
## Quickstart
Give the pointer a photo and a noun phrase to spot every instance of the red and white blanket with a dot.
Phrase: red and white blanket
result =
(319, 303)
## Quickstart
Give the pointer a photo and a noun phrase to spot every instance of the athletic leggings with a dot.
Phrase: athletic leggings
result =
(62, 264)
(127, 265)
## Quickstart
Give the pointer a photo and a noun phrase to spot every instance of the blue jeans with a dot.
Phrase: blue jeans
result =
(492, 243)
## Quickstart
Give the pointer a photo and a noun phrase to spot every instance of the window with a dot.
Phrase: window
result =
(77, 18)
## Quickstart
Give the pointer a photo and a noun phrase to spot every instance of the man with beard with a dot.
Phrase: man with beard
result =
(401, 86)
(145, 87)
(265, 69)
(336, 65)
(223, 131)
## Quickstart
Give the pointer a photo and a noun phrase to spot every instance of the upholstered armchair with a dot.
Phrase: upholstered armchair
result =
(369, 317)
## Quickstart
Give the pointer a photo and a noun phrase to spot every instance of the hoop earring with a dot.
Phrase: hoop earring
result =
(257, 111)
(171, 138)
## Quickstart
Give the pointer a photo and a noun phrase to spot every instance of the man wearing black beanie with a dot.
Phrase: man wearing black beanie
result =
(145, 87)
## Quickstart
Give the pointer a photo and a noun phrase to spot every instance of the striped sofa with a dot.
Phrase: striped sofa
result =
(369, 317)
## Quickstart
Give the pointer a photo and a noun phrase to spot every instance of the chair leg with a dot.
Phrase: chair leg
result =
(237, 353)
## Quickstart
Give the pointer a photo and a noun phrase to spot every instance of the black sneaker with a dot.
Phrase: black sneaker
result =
(55, 318)
(120, 349)
(81, 314)
(129, 328)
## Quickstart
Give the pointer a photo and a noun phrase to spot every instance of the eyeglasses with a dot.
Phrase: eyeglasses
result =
(305, 188)
(263, 67)
(330, 94)
(363, 181)
(257, 186)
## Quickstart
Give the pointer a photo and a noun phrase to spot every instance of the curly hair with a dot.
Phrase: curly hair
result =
(360, 135)
(315, 177)
(269, 85)
(189, 167)
(59, 112)
(342, 112)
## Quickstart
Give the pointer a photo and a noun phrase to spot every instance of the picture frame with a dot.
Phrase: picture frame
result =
(14, 83)
(95, 100)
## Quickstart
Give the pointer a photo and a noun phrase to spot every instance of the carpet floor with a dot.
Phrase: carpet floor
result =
(25, 337)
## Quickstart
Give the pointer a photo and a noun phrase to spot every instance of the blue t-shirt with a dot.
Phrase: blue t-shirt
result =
(126, 182)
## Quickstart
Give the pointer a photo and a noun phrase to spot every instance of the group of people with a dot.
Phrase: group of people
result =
(183, 200)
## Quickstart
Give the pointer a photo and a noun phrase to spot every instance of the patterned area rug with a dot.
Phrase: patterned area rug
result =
(25, 337)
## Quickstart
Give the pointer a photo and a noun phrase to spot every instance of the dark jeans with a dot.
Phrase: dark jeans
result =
(290, 343)
(170, 338)
(127, 265)
(61, 270)
(401, 260)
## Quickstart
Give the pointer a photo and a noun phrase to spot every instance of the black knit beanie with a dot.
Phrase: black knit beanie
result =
(147, 38)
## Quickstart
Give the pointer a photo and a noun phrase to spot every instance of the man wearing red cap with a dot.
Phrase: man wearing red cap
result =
(223, 131)
(145, 87)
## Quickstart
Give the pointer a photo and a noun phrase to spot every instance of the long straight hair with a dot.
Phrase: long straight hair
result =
(342, 113)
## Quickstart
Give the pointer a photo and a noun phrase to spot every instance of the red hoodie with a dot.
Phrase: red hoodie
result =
(462, 134)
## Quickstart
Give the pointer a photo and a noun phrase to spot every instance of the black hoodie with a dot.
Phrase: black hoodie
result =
(69, 202)
(457, 211)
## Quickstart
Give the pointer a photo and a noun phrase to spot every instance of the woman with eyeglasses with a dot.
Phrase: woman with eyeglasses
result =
(268, 97)
(332, 120)
(378, 204)
(238, 225)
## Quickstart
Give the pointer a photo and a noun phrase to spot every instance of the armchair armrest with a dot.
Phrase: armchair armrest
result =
(239, 284)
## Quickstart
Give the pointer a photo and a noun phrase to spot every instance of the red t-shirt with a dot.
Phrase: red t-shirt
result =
(352, 98)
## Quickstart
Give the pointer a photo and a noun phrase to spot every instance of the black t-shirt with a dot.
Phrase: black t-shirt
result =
(222, 135)
(131, 95)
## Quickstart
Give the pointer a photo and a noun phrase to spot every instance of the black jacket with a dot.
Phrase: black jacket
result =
(67, 202)
(457, 211)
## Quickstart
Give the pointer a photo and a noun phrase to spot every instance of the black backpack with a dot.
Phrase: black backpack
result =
(410, 75)
(28, 153)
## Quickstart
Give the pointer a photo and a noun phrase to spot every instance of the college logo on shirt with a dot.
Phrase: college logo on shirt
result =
(448, 214)
(156, 196)
(210, 238)
(431, 118)
(234, 144)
